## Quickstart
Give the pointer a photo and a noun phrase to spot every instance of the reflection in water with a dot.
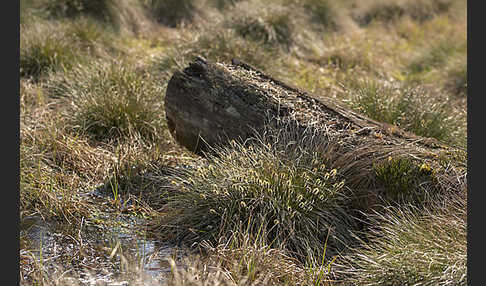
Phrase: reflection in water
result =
(49, 241)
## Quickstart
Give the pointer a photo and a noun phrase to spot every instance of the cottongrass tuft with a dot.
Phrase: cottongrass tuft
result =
(292, 196)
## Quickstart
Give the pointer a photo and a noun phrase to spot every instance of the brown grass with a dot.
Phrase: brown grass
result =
(318, 46)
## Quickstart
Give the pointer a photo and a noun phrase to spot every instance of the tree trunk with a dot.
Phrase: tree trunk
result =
(208, 104)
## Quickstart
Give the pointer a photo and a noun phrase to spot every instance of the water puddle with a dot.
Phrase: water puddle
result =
(112, 248)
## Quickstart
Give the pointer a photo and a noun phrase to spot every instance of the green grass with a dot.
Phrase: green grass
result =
(51, 46)
(390, 11)
(409, 107)
(221, 46)
(325, 15)
(436, 56)
(111, 101)
(173, 13)
(404, 180)
(284, 208)
(294, 197)
(409, 247)
(270, 25)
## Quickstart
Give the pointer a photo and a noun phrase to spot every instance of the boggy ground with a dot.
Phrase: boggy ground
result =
(108, 197)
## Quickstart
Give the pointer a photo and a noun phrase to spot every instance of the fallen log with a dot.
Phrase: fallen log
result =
(208, 104)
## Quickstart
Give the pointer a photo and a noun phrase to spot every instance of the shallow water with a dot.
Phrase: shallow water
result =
(48, 243)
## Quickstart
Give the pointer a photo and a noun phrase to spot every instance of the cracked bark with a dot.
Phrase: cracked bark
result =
(208, 104)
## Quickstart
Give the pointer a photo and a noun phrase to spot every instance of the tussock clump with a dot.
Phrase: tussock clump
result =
(405, 180)
(126, 15)
(409, 107)
(325, 15)
(409, 247)
(243, 259)
(111, 100)
(267, 24)
(456, 76)
(46, 191)
(344, 60)
(30, 10)
(389, 11)
(43, 48)
(240, 259)
(444, 62)
(100, 9)
(221, 46)
(55, 165)
(173, 13)
(292, 196)
(50, 46)
(224, 4)
(437, 55)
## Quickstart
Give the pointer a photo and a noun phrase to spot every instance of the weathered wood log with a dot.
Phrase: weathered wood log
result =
(208, 104)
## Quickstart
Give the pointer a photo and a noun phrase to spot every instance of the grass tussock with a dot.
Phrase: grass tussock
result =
(436, 56)
(444, 61)
(111, 100)
(242, 259)
(410, 108)
(30, 10)
(409, 247)
(221, 46)
(326, 15)
(293, 197)
(45, 192)
(54, 165)
(57, 46)
(173, 13)
(390, 11)
(121, 16)
(289, 207)
(101, 9)
(404, 180)
(42, 51)
(269, 25)
(223, 4)
(456, 76)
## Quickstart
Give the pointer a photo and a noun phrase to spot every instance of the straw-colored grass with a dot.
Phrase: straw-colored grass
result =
(284, 208)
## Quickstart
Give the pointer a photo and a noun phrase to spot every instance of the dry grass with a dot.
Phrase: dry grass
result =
(388, 11)
(111, 100)
(411, 108)
(406, 246)
(51, 46)
(93, 77)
